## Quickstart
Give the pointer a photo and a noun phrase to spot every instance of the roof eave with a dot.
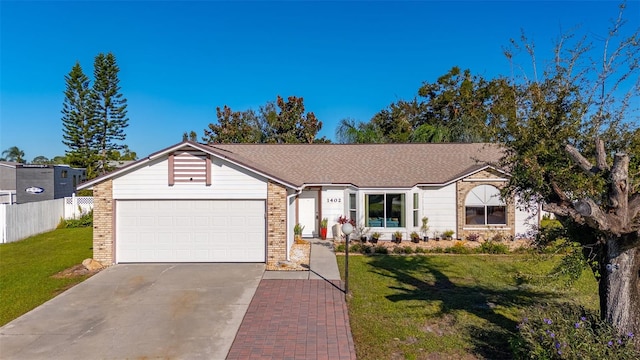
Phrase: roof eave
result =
(166, 151)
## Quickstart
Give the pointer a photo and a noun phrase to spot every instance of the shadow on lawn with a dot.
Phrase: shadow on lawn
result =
(490, 342)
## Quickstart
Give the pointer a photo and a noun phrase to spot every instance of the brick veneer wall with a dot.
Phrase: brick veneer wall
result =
(276, 223)
(103, 222)
(486, 177)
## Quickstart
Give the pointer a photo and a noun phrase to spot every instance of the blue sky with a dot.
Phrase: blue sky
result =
(179, 60)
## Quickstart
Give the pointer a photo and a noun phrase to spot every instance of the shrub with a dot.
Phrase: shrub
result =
(569, 332)
(420, 250)
(355, 247)
(408, 250)
(458, 248)
(340, 248)
(397, 250)
(473, 237)
(367, 249)
(490, 247)
(85, 220)
(380, 249)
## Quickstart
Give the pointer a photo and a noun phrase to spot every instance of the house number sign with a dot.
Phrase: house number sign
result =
(334, 200)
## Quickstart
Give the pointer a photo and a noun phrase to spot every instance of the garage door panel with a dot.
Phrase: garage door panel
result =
(190, 231)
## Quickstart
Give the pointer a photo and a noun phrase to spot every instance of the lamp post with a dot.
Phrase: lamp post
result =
(347, 229)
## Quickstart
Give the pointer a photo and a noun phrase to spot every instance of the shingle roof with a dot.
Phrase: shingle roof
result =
(363, 165)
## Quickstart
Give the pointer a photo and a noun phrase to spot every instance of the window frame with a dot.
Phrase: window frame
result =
(402, 219)
(483, 206)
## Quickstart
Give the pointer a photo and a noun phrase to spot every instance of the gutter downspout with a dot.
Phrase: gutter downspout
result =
(289, 197)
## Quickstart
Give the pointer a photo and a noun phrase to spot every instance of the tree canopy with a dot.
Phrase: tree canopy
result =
(457, 107)
(94, 117)
(282, 121)
(13, 154)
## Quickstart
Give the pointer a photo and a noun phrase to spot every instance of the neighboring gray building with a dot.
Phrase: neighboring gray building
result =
(39, 182)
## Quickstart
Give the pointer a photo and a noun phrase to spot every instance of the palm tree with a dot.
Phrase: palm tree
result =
(350, 132)
(14, 154)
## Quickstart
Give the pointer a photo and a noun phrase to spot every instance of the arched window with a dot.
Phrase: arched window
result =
(484, 206)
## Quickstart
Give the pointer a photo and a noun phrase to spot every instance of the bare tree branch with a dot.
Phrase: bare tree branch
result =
(563, 210)
(601, 156)
(556, 189)
(581, 160)
(593, 215)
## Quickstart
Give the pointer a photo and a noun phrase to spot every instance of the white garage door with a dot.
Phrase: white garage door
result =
(190, 231)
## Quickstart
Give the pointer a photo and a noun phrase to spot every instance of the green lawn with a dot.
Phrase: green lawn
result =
(26, 268)
(449, 306)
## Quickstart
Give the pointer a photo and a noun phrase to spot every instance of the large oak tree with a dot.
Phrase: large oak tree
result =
(571, 142)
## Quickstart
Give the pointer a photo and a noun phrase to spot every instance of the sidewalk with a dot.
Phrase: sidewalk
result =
(322, 264)
(298, 314)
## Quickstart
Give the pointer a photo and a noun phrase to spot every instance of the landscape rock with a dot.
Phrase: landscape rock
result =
(92, 265)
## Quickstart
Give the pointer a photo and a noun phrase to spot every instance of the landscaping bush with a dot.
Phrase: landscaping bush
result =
(490, 247)
(397, 250)
(379, 249)
(340, 248)
(569, 332)
(367, 249)
(355, 248)
(458, 248)
(85, 220)
(420, 250)
(408, 250)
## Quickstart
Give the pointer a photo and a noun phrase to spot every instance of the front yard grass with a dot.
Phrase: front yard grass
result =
(27, 266)
(449, 306)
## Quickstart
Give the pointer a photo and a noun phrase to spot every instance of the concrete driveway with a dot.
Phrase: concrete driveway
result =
(166, 311)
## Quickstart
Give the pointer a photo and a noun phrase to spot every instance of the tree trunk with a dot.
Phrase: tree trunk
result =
(620, 286)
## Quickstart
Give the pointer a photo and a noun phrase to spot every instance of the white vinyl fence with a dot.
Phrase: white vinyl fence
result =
(19, 221)
(76, 206)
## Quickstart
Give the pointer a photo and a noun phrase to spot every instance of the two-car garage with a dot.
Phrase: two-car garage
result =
(190, 231)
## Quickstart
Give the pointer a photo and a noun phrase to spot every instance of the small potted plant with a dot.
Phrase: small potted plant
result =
(415, 237)
(448, 234)
(397, 236)
(436, 235)
(375, 237)
(425, 228)
(323, 228)
(297, 232)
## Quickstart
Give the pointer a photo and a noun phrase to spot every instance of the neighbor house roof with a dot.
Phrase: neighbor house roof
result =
(9, 164)
(360, 165)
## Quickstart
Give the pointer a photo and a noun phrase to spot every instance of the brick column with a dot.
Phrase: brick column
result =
(276, 223)
(103, 221)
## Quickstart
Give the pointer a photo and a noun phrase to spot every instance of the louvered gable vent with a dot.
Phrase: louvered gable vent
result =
(189, 166)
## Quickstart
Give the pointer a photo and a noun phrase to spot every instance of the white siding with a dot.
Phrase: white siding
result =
(439, 205)
(151, 182)
(333, 206)
(526, 220)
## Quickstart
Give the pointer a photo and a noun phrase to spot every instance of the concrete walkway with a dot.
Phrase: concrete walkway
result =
(322, 264)
(298, 314)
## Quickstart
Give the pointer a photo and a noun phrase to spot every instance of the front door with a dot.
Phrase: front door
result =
(308, 213)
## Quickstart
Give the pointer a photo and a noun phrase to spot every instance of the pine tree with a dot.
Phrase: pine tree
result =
(110, 108)
(78, 121)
